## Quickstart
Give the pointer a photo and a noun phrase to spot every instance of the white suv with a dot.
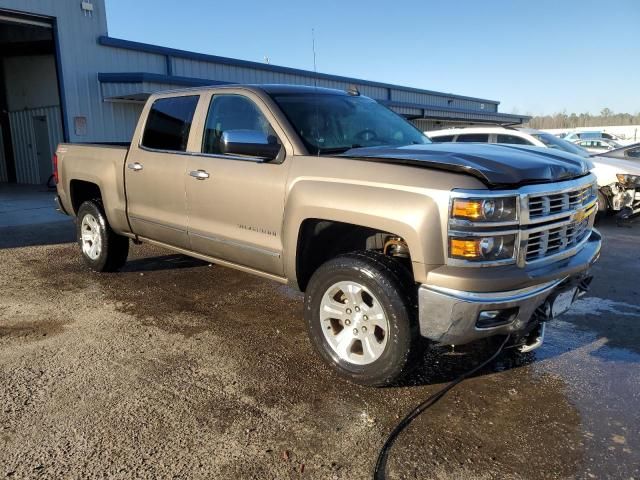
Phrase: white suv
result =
(517, 136)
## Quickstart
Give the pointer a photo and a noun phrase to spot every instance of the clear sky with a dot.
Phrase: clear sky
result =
(535, 57)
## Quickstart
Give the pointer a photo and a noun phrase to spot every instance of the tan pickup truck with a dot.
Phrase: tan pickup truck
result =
(393, 239)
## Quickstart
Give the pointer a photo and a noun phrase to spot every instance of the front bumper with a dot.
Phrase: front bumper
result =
(451, 316)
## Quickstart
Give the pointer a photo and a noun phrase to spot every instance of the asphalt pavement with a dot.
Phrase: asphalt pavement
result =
(174, 368)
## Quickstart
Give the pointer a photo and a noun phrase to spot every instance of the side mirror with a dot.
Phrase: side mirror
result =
(253, 143)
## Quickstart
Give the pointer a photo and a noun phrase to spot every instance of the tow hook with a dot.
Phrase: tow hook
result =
(534, 340)
(583, 287)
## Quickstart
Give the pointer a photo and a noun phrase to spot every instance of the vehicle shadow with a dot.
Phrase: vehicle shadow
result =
(50, 233)
(162, 262)
(442, 364)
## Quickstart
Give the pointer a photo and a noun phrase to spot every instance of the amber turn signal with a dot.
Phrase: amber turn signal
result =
(467, 208)
(465, 248)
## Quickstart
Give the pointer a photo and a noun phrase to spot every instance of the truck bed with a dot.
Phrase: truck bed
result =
(101, 164)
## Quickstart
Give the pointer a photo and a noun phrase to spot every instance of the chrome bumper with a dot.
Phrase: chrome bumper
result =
(451, 316)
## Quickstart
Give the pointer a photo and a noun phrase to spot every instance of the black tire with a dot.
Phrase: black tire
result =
(603, 205)
(114, 248)
(393, 287)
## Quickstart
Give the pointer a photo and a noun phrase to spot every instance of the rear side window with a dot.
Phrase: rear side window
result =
(633, 153)
(169, 122)
(443, 138)
(512, 139)
(474, 137)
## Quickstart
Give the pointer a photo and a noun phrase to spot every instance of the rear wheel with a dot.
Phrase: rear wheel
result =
(360, 314)
(102, 249)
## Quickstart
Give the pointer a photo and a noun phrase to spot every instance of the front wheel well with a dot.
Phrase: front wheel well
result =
(321, 240)
(82, 191)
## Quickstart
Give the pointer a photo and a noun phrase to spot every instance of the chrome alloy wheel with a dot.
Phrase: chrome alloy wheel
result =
(90, 237)
(354, 323)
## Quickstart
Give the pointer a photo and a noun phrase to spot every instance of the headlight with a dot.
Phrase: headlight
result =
(483, 249)
(628, 180)
(500, 209)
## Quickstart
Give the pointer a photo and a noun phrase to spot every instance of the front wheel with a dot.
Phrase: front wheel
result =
(360, 315)
(102, 249)
(603, 205)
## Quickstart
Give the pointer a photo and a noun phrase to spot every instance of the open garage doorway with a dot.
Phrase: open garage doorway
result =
(30, 109)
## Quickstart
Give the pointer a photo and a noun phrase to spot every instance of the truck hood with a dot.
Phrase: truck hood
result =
(497, 166)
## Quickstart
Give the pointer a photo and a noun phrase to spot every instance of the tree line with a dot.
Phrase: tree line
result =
(573, 120)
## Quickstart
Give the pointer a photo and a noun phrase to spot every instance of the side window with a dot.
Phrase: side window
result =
(633, 153)
(512, 139)
(474, 137)
(443, 138)
(169, 122)
(233, 112)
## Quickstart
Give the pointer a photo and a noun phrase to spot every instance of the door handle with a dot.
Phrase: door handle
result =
(136, 167)
(199, 174)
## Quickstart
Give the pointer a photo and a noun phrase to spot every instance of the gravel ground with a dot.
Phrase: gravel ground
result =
(174, 368)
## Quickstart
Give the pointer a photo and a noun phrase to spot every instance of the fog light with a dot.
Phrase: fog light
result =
(496, 318)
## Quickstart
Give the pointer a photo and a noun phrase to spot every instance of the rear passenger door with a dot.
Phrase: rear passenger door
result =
(155, 173)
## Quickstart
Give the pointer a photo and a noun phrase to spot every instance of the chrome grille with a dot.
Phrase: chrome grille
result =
(556, 239)
(555, 203)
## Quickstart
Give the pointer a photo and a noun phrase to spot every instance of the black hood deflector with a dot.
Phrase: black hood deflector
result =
(497, 165)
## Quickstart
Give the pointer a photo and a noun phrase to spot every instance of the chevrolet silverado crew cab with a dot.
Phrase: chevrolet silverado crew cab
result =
(392, 239)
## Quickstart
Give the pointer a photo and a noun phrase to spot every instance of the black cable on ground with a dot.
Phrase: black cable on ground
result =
(381, 463)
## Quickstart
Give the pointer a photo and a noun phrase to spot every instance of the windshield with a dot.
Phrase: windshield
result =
(552, 141)
(330, 123)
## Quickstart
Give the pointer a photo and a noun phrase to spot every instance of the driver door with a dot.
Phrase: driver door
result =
(236, 203)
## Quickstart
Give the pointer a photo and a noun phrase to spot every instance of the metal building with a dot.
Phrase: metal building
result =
(62, 78)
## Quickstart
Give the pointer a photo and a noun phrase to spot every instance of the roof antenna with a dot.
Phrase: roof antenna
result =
(315, 86)
(313, 46)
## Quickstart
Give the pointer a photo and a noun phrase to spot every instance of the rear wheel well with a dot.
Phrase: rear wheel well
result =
(321, 240)
(82, 191)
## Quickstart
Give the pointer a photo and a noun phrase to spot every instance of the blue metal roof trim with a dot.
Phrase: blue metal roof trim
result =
(140, 77)
(391, 103)
(146, 47)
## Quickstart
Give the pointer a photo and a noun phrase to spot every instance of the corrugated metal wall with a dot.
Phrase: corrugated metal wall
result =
(23, 138)
(427, 125)
(3, 163)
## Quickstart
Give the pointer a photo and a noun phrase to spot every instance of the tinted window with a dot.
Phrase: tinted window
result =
(169, 123)
(552, 141)
(443, 138)
(473, 137)
(334, 123)
(233, 112)
(633, 153)
(513, 140)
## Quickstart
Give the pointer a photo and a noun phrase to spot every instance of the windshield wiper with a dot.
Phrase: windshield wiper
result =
(322, 151)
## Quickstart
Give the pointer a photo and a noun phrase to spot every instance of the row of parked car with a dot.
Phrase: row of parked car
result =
(595, 141)
(617, 169)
